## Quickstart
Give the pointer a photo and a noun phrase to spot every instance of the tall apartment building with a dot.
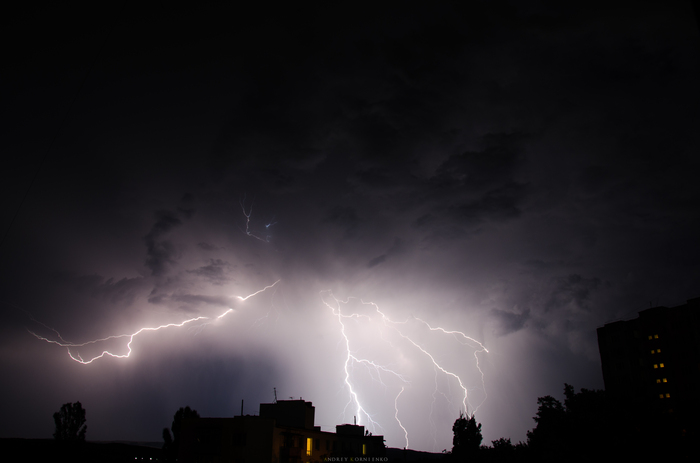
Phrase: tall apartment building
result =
(652, 363)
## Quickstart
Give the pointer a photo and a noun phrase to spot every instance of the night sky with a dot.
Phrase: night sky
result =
(520, 172)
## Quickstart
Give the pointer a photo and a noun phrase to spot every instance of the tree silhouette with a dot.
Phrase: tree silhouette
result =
(172, 441)
(70, 423)
(467, 437)
(503, 444)
(585, 426)
(548, 437)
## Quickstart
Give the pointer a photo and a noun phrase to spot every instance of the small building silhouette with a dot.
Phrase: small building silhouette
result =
(284, 432)
(652, 363)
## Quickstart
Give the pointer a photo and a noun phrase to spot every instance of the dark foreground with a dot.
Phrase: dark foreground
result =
(50, 450)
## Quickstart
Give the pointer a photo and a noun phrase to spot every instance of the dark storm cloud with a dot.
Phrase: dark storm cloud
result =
(477, 170)
(397, 247)
(462, 192)
(381, 179)
(161, 253)
(437, 231)
(370, 93)
(376, 261)
(179, 301)
(195, 300)
(572, 290)
(186, 208)
(538, 265)
(158, 298)
(501, 203)
(508, 322)
(215, 273)
(187, 213)
(123, 291)
(207, 246)
(464, 214)
(450, 197)
(344, 217)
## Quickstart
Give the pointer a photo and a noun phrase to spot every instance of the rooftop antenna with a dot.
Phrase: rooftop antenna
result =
(274, 389)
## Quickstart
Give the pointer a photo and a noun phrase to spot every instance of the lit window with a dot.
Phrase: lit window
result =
(661, 396)
(658, 381)
(649, 337)
(652, 352)
(661, 365)
(658, 350)
(656, 365)
(665, 380)
(656, 336)
(309, 444)
(364, 449)
(668, 395)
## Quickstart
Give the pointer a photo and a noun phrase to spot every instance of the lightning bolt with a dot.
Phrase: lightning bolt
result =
(352, 359)
(396, 415)
(387, 327)
(68, 345)
(465, 340)
(410, 338)
(247, 223)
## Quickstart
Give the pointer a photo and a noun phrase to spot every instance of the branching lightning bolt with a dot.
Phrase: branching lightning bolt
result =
(392, 326)
(351, 359)
(247, 223)
(68, 345)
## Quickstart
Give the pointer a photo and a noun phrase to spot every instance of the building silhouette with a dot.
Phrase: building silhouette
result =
(651, 364)
(283, 432)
